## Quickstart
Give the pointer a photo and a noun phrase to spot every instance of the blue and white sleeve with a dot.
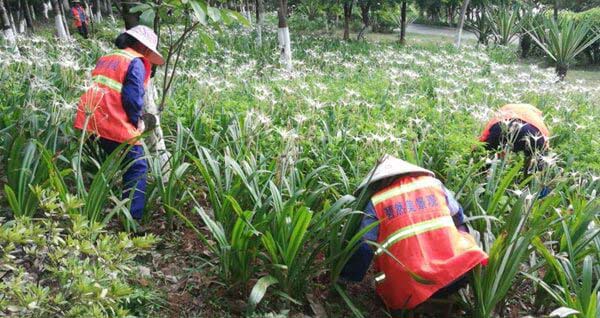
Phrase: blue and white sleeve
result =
(358, 265)
(456, 209)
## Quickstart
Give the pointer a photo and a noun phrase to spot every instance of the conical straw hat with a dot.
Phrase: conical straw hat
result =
(388, 167)
(149, 39)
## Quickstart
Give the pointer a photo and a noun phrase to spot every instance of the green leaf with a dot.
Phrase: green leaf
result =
(239, 17)
(563, 312)
(214, 14)
(12, 199)
(208, 41)
(348, 301)
(199, 11)
(140, 8)
(147, 18)
(260, 289)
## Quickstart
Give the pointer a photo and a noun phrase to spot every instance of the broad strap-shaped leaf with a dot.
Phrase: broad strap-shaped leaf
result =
(260, 289)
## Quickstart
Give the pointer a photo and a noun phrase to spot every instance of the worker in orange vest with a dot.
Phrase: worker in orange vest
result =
(111, 109)
(422, 226)
(80, 18)
(520, 125)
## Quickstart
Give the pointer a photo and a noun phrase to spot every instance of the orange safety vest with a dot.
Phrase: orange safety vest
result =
(418, 230)
(525, 112)
(102, 102)
(77, 15)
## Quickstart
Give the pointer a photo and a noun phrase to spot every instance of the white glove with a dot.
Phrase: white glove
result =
(141, 126)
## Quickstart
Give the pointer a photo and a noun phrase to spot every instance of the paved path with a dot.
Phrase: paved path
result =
(437, 30)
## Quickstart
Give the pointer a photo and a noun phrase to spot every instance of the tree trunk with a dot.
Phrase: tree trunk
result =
(365, 7)
(556, 4)
(7, 29)
(525, 45)
(64, 18)
(130, 19)
(347, 18)
(259, 21)
(461, 22)
(65, 4)
(561, 71)
(28, 18)
(58, 21)
(32, 10)
(21, 17)
(110, 10)
(283, 35)
(12, 20)
(46, 8)
(403, 23)
(248, 15)
(97, 11)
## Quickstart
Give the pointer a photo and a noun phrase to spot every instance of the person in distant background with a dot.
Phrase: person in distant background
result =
(111, 110)
(520, 125)
(422, 226)
(80, 18)
(522, 128)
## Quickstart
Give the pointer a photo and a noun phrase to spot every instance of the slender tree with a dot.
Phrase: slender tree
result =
(131, 19)
(283, 35)
(259, 6)
(348, 4)
(461, 22)
(22, 24)
(61, 31)
(7, 29)
(365, 8)
(64, 11)
(47, 7)
(403, 23)
(109, 9)
(97, 11)
(32, 10)
(27, 11)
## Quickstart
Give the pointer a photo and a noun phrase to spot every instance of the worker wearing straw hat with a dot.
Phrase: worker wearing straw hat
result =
(422, 244)
(80, 19)
(111, 109)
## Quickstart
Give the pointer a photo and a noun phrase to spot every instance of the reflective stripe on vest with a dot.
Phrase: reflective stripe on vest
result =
(417, 236)
(415, 229)
(424, 183)
(107, 116)
(125, 53)
(109, 82)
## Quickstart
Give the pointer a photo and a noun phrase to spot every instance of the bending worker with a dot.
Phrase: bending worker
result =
(80, 18)
(520, 125)
(422, 226)
(111, 109)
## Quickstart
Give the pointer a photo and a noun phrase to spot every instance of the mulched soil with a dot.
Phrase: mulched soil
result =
(180, 269)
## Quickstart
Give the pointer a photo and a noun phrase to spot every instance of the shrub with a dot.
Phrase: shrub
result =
(563, 41)
(66, 266)
(592, 18)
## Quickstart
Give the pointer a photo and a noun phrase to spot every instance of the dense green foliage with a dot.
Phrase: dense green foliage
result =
(590, 18)
(65, 266)
(265, 161)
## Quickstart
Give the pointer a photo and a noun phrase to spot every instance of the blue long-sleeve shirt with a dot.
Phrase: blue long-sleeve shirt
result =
(132, 93)
(359, 263)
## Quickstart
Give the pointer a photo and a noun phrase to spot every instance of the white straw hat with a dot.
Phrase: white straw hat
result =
(390, 166)
(149, 39)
